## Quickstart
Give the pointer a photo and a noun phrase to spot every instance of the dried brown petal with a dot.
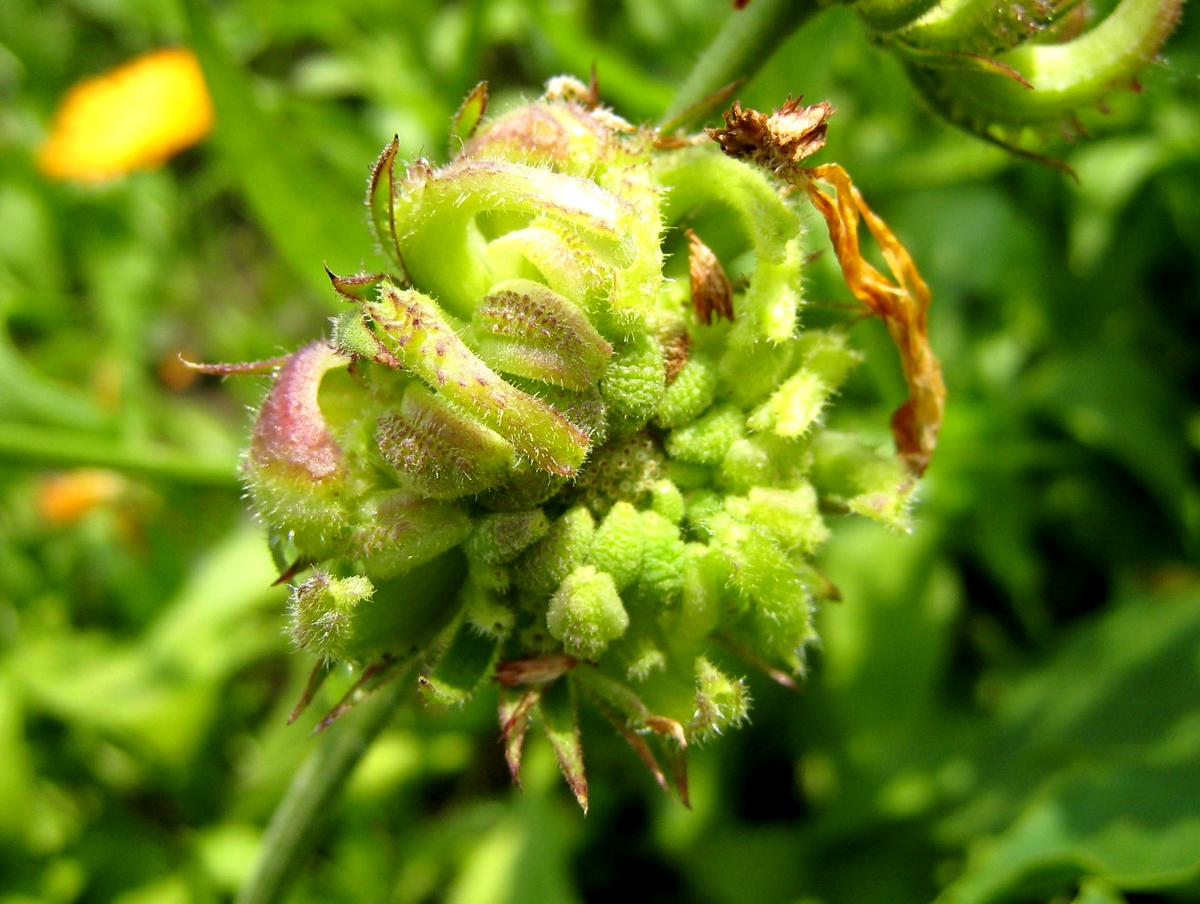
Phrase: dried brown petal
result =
(534, 669)
(777, 142)
(677, 345)
(514, 710)
(902, 305)
(711, 290)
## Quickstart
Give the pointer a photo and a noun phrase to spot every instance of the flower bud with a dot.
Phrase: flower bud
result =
(721, 702)
(586, 613)
(295, 469)
(553, 465)
(322, 613)
(531, 331)
(416, 332)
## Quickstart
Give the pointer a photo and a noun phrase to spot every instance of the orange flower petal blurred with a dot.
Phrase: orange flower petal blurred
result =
(132, 117)
(63, 499)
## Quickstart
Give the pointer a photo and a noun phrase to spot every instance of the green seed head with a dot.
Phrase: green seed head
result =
(577, 443)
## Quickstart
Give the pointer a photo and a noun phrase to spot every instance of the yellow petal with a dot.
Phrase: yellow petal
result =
(63, 499)
(132, 117)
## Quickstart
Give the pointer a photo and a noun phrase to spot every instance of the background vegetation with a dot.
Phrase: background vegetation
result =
(1007, 703)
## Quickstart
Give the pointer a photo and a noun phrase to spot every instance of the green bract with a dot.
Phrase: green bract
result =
(561, 448)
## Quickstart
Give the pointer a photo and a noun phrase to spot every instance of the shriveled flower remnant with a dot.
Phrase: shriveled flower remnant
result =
(575, 443)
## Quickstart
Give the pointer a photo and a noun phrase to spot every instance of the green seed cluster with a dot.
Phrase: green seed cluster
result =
(536, 454)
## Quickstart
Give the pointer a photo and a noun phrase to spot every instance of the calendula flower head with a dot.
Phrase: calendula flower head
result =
(576, 442)
(132, 117)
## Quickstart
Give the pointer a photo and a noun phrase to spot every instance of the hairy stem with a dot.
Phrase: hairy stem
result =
(315, 787)
(745, 42)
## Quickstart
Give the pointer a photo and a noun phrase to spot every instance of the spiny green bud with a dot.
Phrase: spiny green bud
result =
(501, 538)
(322, 613)
(439, 451)
(617, 545)
(550, 466)
(566, 546)
(667, 501)
(634, 381)
(792, 517)
(707, 440)
(689, 394)
(660, 577)
(771, 594)
(586, 613)
(721, 702)
(529, 330)
(295, 469)
(799, 402)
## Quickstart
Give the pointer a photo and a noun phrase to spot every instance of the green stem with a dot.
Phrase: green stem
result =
(743, 45)
(315, 787)
(54, 446)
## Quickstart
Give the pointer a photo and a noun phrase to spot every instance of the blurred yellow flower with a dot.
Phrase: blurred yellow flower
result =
(131, 117)
(63, 499)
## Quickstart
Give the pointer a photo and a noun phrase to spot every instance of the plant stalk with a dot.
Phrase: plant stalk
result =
(314, 789)
(747, 40)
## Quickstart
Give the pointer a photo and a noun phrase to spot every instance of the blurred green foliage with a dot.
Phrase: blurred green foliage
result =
(1007, 704)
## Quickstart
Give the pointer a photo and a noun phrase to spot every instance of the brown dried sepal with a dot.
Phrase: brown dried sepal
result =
(540, 669)
(639, 745)
(777, 142)
(901, 304)
(711, 290)
(357, 288)
(514, 708)
(677, 347)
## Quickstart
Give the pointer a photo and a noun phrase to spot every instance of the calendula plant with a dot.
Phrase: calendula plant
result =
(575, 443)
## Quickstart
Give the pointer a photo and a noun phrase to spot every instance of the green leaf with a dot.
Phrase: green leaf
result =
(1119, 705)
(159, 694)
(307, 218)
(1137, 826)
(1114, 402)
